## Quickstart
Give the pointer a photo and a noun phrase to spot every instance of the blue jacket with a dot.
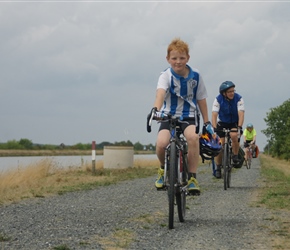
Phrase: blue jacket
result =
(228, 112)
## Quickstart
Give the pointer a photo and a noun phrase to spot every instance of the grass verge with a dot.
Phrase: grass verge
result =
(43, 179)
(275, 195)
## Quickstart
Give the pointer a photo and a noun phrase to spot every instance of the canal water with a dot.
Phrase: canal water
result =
(8, 163)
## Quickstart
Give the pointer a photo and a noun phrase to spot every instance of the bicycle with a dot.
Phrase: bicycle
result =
(227, 158)
(176, 168)
(249, 156)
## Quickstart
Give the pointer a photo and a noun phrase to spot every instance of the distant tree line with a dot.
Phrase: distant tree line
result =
(278, 131)
(29, 145)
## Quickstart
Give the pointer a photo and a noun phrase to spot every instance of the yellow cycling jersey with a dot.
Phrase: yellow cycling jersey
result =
(249, 134)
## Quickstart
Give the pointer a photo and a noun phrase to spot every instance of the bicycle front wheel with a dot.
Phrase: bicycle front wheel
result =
(247, 164)
(172, 181)
(181, 193)
(225, 165)
(250, 160)
(229, 175)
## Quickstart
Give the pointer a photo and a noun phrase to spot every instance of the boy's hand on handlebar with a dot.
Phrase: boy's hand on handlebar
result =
(153, 111)
(156, 115)
(149, 118)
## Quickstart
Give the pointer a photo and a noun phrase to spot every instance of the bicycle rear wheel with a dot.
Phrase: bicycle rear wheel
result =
(181, 193)
(172, 181)
(225, 166)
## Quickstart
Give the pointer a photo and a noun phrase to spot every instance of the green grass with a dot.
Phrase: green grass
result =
(276, 194)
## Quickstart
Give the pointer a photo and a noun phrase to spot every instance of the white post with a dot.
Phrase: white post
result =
(93, 157)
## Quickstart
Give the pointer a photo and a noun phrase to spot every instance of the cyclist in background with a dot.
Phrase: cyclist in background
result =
(180, 92)
(228, 112)
(249, 139)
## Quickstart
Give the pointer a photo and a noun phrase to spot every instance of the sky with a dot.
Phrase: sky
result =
(81, 71)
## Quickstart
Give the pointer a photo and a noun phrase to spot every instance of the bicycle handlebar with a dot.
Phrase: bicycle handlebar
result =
(149, 122)
(160, 116)
(156, 116)
(227, 130)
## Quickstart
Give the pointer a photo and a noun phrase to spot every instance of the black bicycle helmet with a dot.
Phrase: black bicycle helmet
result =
(225, 86)
(210, 146)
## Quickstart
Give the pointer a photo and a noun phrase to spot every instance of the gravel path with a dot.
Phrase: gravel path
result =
(133, 215)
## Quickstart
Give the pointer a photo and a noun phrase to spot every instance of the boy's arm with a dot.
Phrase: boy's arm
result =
(159, 99)
(202, 104)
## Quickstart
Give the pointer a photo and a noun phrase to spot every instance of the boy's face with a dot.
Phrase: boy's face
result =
(178, 61)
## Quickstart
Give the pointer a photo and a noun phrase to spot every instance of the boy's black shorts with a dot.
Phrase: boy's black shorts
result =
(183, 126)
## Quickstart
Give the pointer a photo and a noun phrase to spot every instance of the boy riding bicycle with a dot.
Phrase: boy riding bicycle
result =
(180, 90)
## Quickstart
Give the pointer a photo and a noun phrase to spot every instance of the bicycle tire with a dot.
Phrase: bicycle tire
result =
(172, 181)
(181, 194)
(225, 165)
(213, 166)
(247, 163)
(250, 159)
(229, 175)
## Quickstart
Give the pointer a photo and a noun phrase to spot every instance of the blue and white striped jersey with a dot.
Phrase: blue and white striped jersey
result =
(181, 93)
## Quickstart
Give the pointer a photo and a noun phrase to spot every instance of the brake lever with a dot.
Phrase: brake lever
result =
(149, 122)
